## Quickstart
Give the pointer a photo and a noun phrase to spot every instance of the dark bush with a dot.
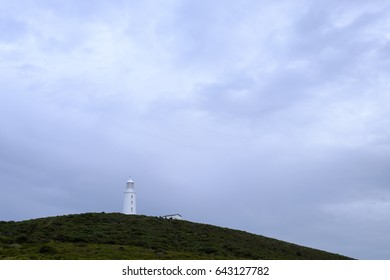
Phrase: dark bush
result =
(22, 238)
(46, 249)
(78, 240)
(209, 250)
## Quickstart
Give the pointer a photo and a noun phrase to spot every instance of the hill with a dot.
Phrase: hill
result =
(118, 236)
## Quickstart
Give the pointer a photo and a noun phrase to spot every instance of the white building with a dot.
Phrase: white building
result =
(173, 217)
(129, 203)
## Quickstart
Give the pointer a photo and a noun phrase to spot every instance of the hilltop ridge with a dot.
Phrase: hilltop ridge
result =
(118, 236)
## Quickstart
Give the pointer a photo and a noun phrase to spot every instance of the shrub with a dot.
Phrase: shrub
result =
(46, 249)
(209, 250)
(22, 238)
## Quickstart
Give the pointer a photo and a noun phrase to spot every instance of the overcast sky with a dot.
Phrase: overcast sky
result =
(271, 117)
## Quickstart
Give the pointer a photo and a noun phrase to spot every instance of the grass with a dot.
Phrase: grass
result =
(117, 236)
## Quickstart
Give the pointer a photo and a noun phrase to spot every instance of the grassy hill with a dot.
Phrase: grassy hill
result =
(118, 236)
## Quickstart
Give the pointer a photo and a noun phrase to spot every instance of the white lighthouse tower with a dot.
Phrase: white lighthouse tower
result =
(129, 206)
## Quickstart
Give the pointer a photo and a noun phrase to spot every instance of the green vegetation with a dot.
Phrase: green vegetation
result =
(117, 236)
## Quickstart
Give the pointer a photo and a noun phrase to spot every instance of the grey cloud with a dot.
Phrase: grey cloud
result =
(11, 29)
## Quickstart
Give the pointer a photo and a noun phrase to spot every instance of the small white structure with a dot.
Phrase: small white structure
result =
(129, 203)
(173, 217)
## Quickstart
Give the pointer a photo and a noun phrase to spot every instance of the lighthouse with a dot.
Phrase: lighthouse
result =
(129, 206)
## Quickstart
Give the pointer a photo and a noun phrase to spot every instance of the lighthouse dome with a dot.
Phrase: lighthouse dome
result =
(130, 180)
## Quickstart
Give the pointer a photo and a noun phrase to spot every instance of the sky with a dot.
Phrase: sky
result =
(270, 117)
